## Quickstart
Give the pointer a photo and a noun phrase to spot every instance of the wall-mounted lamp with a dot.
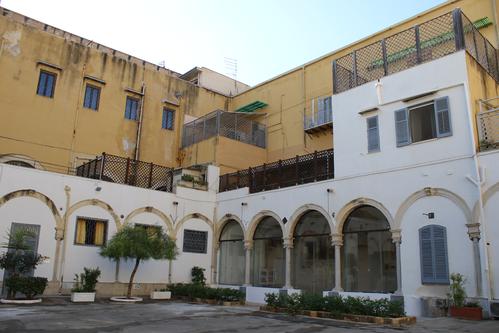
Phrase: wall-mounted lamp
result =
(284, 220)
(175, 203)
(244, 204)
(430, 215)
(122, 216)
(98, 188)
(333, 214)
(330, 190)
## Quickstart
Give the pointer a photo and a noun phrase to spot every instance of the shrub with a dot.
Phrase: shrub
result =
(336, 305)
(86, 281)
(457, 294)
(30, 286)
(192, 290)
(197, 276)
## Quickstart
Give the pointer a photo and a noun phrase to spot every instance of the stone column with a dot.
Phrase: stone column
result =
(397, 239)
(337, 242)
(170, 262)
(248, 246)
(288, 245)
(216, 249)
(59, 236)
(474, 234)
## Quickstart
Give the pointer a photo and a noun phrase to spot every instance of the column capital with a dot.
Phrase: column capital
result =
(473, 230)
(396, 235)
(336, 239)
(216, 245)
(59, 233)
(248, 244)
(287, 243)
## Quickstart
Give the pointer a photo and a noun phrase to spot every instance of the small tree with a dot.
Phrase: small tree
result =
(457, 294)
(139, 244)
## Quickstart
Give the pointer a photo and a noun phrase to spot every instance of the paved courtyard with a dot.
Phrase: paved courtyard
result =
(181, 317)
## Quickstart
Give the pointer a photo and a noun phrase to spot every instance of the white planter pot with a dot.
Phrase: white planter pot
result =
(82, 297)
(161, 294)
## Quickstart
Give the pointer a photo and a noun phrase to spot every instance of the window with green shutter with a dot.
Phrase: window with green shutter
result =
(433, 255)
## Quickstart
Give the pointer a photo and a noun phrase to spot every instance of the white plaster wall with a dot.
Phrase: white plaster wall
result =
(459, 246)
(181, 271)
(446, 75)
(31, 211)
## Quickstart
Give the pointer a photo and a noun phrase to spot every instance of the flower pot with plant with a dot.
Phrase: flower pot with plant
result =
(161, 294)
(84, 287)
(459, 308)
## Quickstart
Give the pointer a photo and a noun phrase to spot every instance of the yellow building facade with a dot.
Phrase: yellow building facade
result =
(61, 131)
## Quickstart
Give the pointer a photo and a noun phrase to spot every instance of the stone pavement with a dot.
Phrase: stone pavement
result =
(176, 317)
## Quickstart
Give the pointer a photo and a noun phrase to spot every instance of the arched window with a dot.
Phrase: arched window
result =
(312, 266)
(20, 163)
(268, 254)
(369, 260)
(232, 260)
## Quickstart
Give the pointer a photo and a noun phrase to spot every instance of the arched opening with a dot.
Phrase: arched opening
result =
(313, 266)
(268, 254)
(20, 163)
(232, 259)
(369, 259)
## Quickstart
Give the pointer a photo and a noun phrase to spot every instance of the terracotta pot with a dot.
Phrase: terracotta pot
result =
(470, 313)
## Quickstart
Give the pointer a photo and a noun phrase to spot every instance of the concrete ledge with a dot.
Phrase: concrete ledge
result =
(20, 301)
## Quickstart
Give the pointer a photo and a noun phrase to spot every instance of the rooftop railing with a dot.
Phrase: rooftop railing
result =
(303, 169)
(127, 171)
(233, 125)
(488, 124)
(428, 41)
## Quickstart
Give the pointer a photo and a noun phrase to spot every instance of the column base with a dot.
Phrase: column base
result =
(338, 290)
(332, 293)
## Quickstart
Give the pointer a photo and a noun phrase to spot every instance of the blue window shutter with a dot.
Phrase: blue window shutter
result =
(88, 93)
(372, 134)
(127, 108)
(433, 251)
(442, 115)
(42, 82)
(49, 90)
(402, 127)
(171, 119)
(95, 98)
(163, 121)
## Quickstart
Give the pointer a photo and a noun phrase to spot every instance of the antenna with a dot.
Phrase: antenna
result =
(162, 63)
(231, 69)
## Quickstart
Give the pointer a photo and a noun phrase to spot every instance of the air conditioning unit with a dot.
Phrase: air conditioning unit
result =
(494, 309)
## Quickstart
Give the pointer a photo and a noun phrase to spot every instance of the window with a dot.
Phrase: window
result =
(90, 231)
(195, 241)
(433, 251)
(168, 119)
(423, 122)
(232, 258)
(372, 134)
(268, 255)
(46, 84)
(92, 95)
(325, 110)
(132, 108)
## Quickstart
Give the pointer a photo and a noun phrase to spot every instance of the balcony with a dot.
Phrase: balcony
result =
(436, 38)
(488, 124)
(239, 126)
(122, 170)
(302, 169)
(320, 119)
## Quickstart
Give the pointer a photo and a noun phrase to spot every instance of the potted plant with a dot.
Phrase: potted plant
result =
(161, 294)
(19, 260)
(138, 244)
(457, 297)
(84, 287)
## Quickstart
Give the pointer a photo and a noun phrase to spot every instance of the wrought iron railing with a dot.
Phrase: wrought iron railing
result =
(233, 125)
(428, 41)
(122, 170)
(303, 169)
(488, 124)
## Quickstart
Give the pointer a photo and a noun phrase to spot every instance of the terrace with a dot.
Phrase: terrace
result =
(488, 124)
(436, 38)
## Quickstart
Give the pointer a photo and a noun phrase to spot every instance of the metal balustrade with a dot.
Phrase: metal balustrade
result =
(303, 169)
(488, 124)
(428, 41)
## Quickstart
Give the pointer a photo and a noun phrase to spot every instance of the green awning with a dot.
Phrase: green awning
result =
(252, 107)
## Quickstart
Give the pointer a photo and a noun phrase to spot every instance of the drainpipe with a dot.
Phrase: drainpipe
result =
(139, 125)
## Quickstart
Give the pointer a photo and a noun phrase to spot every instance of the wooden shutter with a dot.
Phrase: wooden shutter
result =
(433, 251)
(372, 134)
(442, 116)
(402, 127)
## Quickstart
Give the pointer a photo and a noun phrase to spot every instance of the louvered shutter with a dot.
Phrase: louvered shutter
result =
(426, 255)
(440, 254)
(442, 115)
(372, 134)
(402, 127)
(433, 250)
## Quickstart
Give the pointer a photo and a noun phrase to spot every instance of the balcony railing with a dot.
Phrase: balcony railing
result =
(488, 124)
(122, 170)
(303, 169)
(233, 125)
(428, 41)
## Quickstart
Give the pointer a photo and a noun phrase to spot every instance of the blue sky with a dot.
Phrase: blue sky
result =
(267, 37)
